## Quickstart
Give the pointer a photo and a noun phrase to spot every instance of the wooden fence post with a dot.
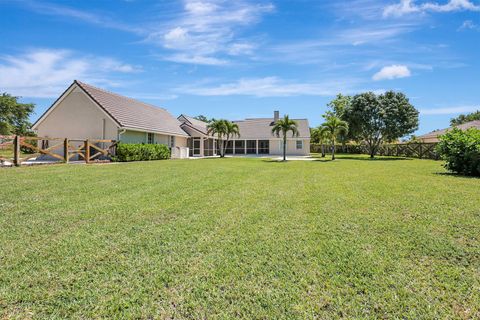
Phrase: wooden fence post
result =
(87, 151)
(16, 151)
(65, 149)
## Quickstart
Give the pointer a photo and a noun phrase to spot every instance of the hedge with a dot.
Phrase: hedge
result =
(461, 151)
(141, 152)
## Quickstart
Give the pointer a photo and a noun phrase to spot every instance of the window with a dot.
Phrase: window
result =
(299, 144)
(263, 146)
(239, 146)
(150, 138)
(251, 146)
(229, 149)
(172, 141)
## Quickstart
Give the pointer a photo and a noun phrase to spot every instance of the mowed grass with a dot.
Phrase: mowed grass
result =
(240, 238)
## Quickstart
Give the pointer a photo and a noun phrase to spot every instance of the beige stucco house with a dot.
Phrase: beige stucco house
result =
(86, 112)
(255, 138)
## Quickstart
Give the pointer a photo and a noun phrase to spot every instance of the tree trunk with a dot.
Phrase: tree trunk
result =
(225, 146)
(333, 151)
(323, 150)
(372, 152)
(222, 153)
(284, 147)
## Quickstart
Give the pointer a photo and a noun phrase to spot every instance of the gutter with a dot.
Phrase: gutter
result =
(120, 133)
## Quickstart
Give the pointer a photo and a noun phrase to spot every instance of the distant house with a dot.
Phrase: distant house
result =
(256, 138)
(433, 136)
(86, 112)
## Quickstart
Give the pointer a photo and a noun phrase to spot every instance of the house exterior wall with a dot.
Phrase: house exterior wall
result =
(77, 117)
(276, 145)
(181, 142)
(131, 136)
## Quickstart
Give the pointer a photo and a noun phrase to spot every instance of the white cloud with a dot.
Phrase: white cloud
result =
(405, 7)
(452, 5)
(270, 87)
(469, 24)
(206, 32)
(88, 17)
(449, 110)
(392, 72)
(45, 73)
(195, 59)
(402, 8)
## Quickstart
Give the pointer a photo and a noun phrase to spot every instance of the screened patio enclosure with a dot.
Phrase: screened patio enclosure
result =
(208, 147)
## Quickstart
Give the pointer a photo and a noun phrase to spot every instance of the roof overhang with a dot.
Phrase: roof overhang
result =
(166, 133)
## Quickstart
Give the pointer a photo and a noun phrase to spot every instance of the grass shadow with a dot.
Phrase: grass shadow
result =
(456, 175)
(381, 158)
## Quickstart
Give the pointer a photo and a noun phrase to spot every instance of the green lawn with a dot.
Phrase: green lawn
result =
(246, 238)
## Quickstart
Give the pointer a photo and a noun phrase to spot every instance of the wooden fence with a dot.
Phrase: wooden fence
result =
(60, 149)
(413, 150)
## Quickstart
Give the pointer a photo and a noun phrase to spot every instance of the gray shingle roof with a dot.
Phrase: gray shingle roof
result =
(131, 113)
(463, 126)
(261, 128)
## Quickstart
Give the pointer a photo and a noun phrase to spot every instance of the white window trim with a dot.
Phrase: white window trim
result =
(296, 144)
(153, 138)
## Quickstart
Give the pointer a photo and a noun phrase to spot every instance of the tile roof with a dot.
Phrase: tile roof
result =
(195, 123)
(261, 128)
(463, 126)
(131, 113)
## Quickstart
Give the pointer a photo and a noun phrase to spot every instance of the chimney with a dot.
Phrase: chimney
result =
(276, 116)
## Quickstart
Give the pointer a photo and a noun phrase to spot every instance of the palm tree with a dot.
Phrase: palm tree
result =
(231, 130)
(323, 138)
(283, 126)
(332, 128)
(224, 130)
(218, 127)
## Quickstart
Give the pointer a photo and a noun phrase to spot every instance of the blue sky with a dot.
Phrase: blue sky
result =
(237, 59)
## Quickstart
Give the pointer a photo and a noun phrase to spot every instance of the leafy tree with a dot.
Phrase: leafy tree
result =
(14, 116)
(337, 108)
(317, 136)
(224, 130)
(461, 151)
(314, 135)
(282, 127)
(338, 105)
(332, 128)
(376, 119)
(465, 118)
(201, 117)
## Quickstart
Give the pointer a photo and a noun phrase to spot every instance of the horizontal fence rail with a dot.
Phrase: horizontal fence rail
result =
(413, 150)
(20, 149)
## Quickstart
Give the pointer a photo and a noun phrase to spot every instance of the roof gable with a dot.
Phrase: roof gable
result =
(125, 112)
(196, 124)
(131, 113)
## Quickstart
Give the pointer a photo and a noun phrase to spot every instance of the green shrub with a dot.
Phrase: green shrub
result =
(461, 151)
(141, 152)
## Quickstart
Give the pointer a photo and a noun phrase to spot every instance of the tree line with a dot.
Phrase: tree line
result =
(367, 118)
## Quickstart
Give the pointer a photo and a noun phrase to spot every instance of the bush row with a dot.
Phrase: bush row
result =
(461, 151)
(141, 152)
